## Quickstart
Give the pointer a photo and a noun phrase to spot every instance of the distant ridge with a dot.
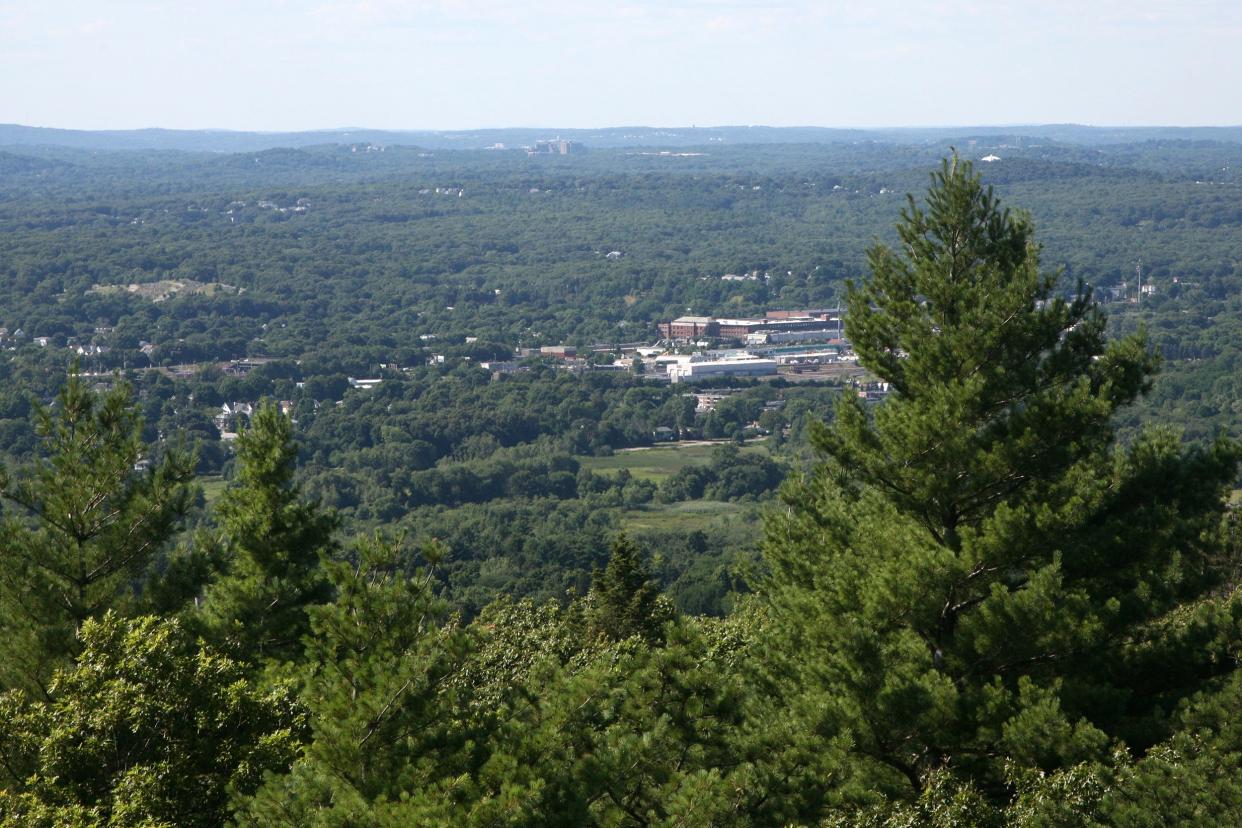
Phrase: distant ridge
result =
(211, 140)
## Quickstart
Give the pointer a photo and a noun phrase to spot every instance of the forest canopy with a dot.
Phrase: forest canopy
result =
(975, 603)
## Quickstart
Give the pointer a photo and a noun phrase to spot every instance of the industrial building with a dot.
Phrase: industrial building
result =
(691, 368)
(689, 327)
(775, 337)
(700, 327)
(825, 314)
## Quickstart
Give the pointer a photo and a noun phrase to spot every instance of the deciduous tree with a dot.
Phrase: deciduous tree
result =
(147, 728)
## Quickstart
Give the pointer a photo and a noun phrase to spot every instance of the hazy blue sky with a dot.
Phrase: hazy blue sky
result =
(446, 64)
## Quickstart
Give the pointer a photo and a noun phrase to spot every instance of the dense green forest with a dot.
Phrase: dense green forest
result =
(346, 260)
(416, 265)
(237, 586)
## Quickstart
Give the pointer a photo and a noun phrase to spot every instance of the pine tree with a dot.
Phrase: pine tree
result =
(85, 530)
(274, 541)
(625, 734)
(977, 572)
(388, 744)
(625, 601)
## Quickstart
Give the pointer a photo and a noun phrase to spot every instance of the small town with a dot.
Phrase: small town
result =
(699, 414)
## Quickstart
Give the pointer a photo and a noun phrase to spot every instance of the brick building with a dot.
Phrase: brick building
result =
(689, 327)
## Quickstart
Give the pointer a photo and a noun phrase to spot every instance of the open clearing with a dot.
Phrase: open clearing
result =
(213, 486)
(695, 514)
(660, 461)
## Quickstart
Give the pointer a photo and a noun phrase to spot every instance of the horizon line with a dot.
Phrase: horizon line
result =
(433, 130)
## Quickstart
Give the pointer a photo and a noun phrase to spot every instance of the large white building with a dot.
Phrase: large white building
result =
(693, 369)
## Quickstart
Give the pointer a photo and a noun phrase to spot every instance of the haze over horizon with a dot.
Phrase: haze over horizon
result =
(294, 65)
(551, 128)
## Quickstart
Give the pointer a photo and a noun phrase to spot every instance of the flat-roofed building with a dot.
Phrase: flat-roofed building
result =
(691, 370)
(742, 328)
(688, 327)
(778, 336)
(815, 313)
(739, 328)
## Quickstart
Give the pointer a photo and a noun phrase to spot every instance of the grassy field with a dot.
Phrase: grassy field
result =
(658, 462)
(654, 464)
(213, 486)
(693, 514)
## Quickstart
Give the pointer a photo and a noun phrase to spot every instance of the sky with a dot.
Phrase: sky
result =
(278, 65)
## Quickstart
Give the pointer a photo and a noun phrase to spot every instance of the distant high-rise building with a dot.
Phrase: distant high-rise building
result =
(554, 146)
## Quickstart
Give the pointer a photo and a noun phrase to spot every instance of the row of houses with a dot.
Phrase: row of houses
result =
(234, 414)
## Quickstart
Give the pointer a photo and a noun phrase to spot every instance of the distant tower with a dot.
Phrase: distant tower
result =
(1138, 274)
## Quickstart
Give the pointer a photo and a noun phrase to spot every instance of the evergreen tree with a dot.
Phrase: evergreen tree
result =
(1193, 779)
(625, 734)
(388, 745)
(624, 599)
(274, 541)
(86, 529)
(976, 573)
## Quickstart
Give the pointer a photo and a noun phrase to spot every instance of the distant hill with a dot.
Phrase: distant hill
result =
(13, 164)
(226, 141)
